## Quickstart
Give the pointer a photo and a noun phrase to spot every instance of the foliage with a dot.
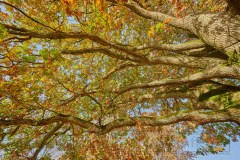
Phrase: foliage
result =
(106, 79)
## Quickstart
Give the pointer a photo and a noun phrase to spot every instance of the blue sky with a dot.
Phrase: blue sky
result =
(233, 153)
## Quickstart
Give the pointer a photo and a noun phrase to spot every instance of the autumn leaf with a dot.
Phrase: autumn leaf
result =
(68, 2)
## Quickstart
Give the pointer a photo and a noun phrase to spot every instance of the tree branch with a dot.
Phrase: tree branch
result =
(34, 20)
(173, 94)
(75, 35)
(120, 67)
(199, 116)
(172, 21)
(55, 119)
(179, 60)
(195, 44)
(75, 96)
(101, 50)
(216, 72)
(45, 139)
(187, 61)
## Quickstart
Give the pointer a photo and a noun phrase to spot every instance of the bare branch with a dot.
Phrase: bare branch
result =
(27, 15)
(120, 67)
(45, 139)
(75, 96)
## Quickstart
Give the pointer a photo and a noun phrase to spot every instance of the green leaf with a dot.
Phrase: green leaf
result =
(44, 53)
(54, 54)
(3, 31)
(159, 27)
(233, 58)
(29, 58)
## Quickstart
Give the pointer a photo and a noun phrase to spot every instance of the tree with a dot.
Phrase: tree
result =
(113, 79)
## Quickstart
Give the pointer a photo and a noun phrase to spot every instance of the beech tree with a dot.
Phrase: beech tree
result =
(124, 79)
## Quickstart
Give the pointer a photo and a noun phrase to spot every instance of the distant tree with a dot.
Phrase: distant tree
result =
(106, 79)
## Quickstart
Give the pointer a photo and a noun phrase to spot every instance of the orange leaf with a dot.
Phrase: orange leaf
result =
(167, 21)
(68, 2)
(68, 11)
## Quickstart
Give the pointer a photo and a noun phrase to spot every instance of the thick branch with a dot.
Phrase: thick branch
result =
(199, 116)
(216, 72)
(100, 50)
(48, 121)
(74, 35)
(174, 94)
(175, 22)
(187, 61)
(179, 60)
(173, 47)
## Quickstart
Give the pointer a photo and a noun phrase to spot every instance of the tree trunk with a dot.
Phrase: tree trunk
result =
(222, 32)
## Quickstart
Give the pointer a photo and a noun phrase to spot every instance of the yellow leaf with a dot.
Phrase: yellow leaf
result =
(151, 32)
(68, 2)
(42, 79)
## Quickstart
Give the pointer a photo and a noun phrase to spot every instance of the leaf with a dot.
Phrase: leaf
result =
(99, 4)
(3, 32)
(151, 32)
(68, 2)
(44, 53)
(29, 58)
(160, 26)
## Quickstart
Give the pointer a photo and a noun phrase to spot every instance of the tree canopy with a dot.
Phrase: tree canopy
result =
(118, 79)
